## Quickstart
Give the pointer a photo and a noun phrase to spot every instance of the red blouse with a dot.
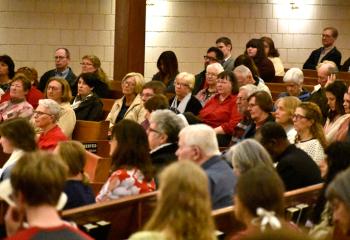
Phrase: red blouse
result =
(224, 114)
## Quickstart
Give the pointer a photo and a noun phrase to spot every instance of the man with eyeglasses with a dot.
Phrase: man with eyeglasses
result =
(62, 59)
(327, 52)
(213, 55)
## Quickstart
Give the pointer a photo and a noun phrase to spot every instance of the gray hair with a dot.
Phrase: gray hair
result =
(217, 67)
(53, 107)
(249, 88)
(243, 70)
(201, 135)
(339, 188)
(187, 77)
(294, 75)
(167, 122)
(331, 67)
(248, 154)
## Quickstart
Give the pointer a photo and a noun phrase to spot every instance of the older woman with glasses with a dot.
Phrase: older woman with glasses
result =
(45, 118)
(221, 112)
(128, 106)
(211, 76)
(293, 80)
(17, 106)
(184, 101)
(58, 89)
(307, 121)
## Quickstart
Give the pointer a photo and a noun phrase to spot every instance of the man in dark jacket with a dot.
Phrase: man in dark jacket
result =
(327, 52)
(295, 167)
(62, 59)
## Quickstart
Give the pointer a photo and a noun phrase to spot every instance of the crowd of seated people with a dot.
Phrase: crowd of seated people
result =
(276, 146)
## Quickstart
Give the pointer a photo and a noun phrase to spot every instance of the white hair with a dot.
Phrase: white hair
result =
(243, 70)
(217, 67)
(53, 107)
(201, 135)
(294, 75)
(249, 88)
(187, 77)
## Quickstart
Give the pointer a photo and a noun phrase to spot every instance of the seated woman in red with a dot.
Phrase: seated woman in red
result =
(45, 118)
(221, 112)
(131, 163)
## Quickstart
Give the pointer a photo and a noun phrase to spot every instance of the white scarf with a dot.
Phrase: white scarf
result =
(183, 104)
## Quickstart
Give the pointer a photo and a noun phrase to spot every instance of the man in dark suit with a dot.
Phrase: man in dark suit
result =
(295, 167)
(62, 59)
(327, 52)
(225, 45)
(213, 55)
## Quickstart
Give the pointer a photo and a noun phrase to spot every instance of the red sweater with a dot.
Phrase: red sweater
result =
(33, 96)
(50, 139)
(224, 114)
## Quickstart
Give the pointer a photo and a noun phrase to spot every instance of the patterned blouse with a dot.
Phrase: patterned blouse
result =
(10, 110)
(125, 182)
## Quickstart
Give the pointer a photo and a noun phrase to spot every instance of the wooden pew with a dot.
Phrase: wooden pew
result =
(107, 106)
(98, 147)
(129, 214)
(90, 130)
(277, 88)
(97, 168)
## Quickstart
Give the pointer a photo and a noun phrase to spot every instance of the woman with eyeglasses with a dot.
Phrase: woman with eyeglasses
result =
(45, 117)
(184, 101)
(33, 94)
(58, 89)
(17, 106)
(87, 105)
(128, 106)
(92, 64)
(255, 50)
(210, 87)
(168, 68)
(221, 112)
(307, 121)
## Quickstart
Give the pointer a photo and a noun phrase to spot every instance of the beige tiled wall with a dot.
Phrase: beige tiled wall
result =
(189, 27)
(31, 30)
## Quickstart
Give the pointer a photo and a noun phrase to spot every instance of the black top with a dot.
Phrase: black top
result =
(164, 156)
(199, 82)
(266, 69)
(90, 109)
(320, 99)
(333, 55)
(49, 74)
(297, 169)
(122, 111)
(78, 193)
(193, 105)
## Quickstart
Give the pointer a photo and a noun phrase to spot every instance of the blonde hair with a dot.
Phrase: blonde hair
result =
(96, 62)
(139, 80)
(313, 112)
(290, 103)
(187, 77)
(184, 209)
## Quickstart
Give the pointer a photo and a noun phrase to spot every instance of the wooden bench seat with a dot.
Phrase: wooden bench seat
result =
(97, 168)
(90, 130)
(129, 214)
(98, 147)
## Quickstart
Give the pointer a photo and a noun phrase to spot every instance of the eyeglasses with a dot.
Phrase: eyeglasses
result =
(326, 36)
(86, 64)
(52, 88)
(222, 81)
(153, 130)
(39, 113)
(211, 75)
(180, 84)
(146, 95)
(298, 117)
(241, 99)
(59, 57)
(208, 58)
